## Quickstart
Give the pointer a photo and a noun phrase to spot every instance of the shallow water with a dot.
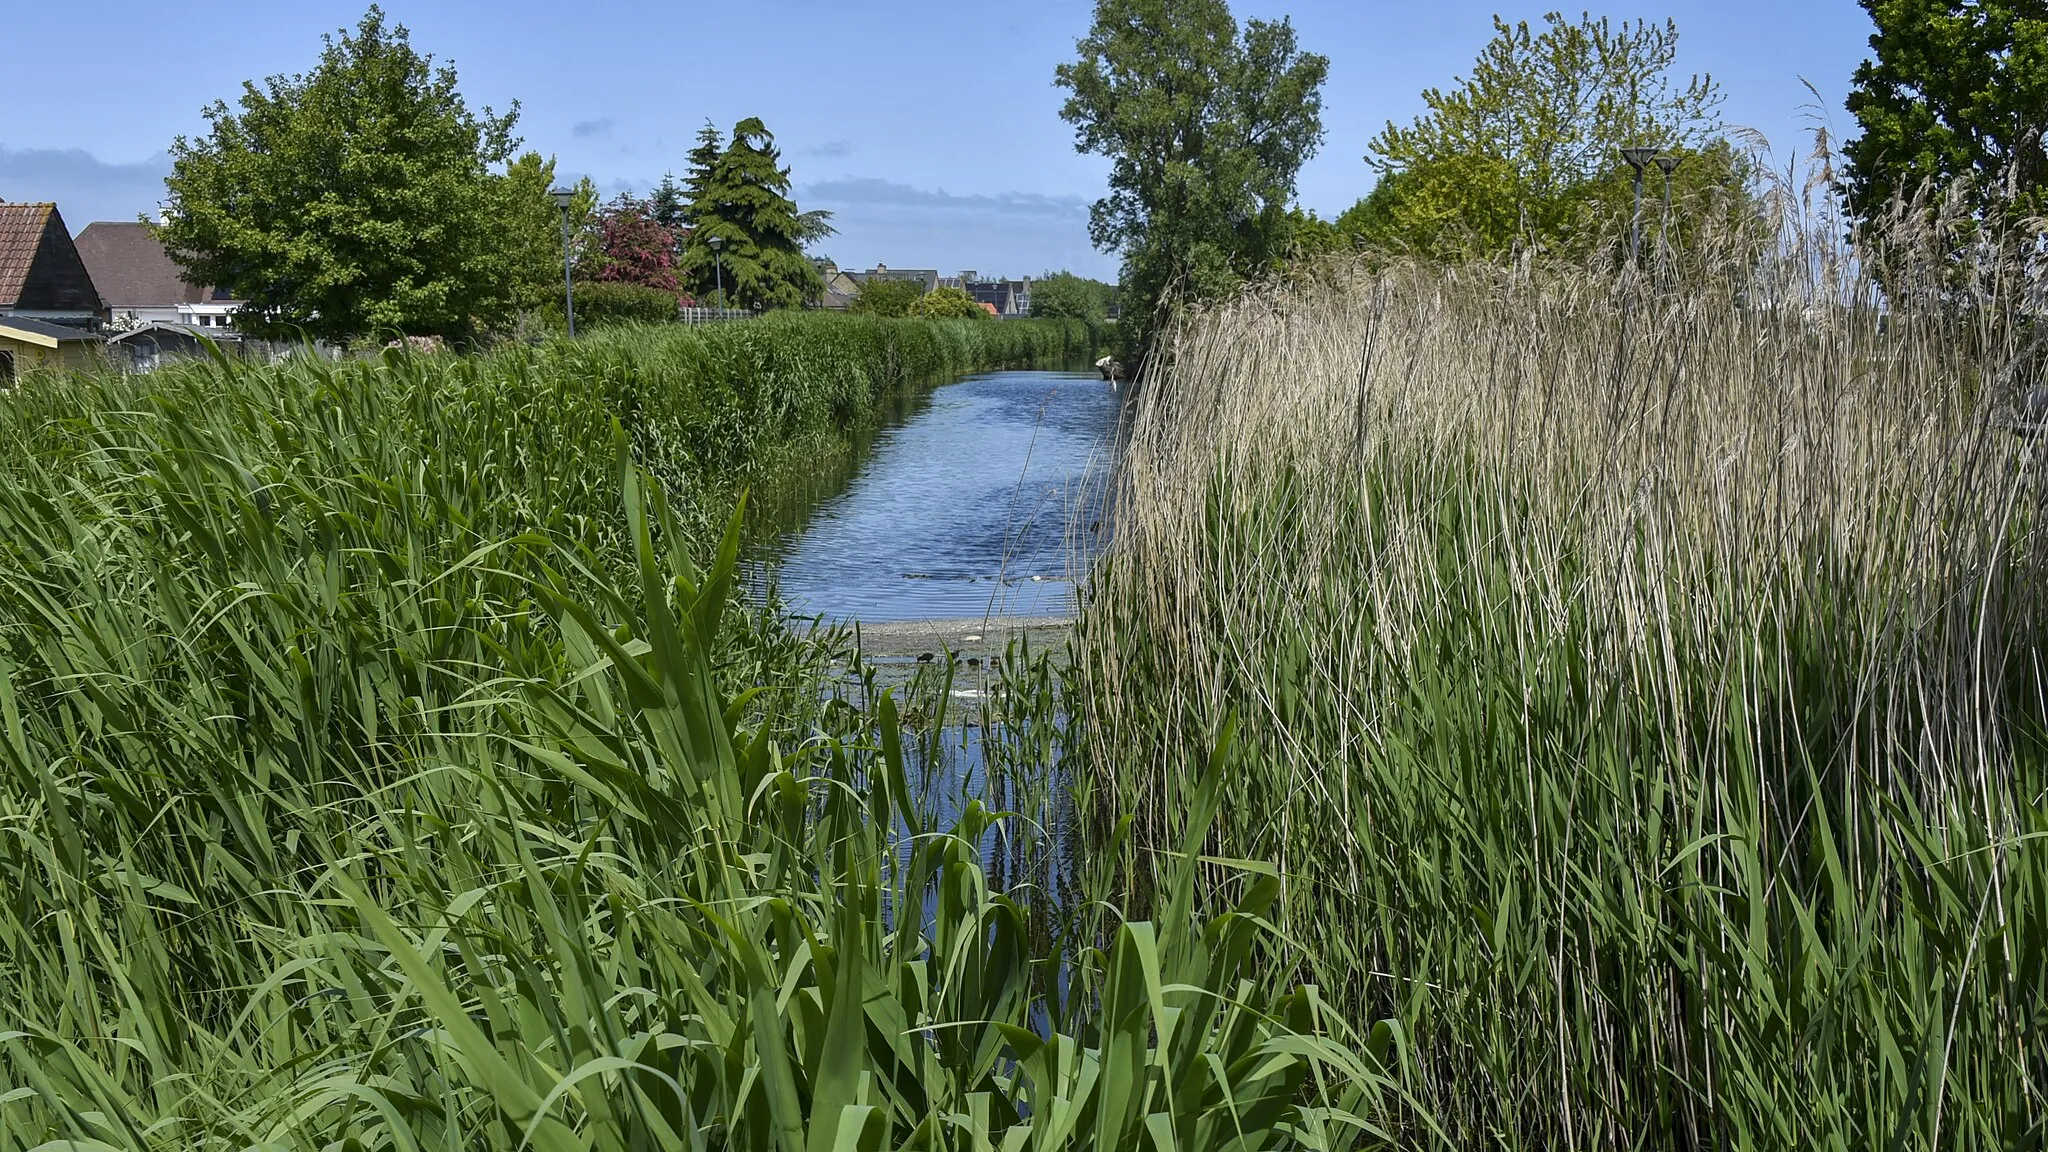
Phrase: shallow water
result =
(982, 499)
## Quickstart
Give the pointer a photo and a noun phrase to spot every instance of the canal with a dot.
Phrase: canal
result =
(979, 499)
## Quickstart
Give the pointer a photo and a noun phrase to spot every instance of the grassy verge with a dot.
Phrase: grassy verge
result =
(378, 771)
(1641, 690)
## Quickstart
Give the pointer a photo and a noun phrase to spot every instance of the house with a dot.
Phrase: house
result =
(149, 344)
(928, 279)
(840, 287)
(140, 283)
(1009, 299)
(41, 275)
(26, 342)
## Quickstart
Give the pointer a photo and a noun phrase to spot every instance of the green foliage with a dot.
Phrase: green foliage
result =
(604, 303)
(1600, 682)
(383, 774)
(1311, 235)
(1957, 94)
(1064, 295)
(948, 304)
(745, 202)
(531, 229)
(879, 296)
(667, 206)
(1525, 149)
(1206, 129)
(702, 159)
(359, 199)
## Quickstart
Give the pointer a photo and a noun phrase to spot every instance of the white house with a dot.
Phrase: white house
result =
(141, 284)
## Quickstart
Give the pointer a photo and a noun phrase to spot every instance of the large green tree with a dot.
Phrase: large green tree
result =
(745, 203)
(881, 296)
(1956, 91)
(1206, 126)
(1066, 296)
(358, 198)
(530, 230)
(1525, 149)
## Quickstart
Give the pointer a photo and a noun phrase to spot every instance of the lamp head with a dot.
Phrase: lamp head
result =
(716, 242)
(1638, 157)
(562, 197)
(1669, 163)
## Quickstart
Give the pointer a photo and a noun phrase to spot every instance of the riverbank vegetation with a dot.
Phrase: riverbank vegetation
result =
(1637, 672)
(380, 771)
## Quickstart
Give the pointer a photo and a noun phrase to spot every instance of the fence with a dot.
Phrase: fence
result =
(715, 315)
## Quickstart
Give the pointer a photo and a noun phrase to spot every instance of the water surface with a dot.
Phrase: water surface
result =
(983, 500)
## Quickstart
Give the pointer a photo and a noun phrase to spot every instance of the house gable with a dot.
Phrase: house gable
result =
(40, 270)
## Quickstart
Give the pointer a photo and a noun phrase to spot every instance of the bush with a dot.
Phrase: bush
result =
(886, 297)
(948, 304)
(605, 304)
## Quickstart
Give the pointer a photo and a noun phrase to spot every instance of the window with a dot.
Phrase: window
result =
(6, 367)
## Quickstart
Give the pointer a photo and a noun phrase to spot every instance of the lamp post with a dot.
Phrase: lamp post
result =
(1667, 165)
(1637, 158)
(718, 265)
(563, 198)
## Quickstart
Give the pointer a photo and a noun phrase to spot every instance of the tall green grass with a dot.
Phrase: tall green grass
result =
(378, 771)
(1641, 682)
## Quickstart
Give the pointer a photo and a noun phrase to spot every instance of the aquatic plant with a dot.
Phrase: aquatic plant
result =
(1639, 675)
(378, 771)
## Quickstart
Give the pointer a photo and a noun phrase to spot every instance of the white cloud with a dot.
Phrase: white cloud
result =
(84, 187)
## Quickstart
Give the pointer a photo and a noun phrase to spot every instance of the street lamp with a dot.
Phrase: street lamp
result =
(563, 197)
(1667, 165)
(718, 265)
(1637, 159)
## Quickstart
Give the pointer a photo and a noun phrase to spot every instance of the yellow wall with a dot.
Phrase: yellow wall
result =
(71, 354)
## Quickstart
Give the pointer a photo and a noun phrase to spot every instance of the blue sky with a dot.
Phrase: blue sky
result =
(931, 129)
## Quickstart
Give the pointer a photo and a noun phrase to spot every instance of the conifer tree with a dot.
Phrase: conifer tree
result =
(702, 158)
(668, 206)
(745, 203)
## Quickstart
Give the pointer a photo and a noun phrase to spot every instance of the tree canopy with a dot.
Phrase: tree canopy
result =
(878, 296)
(948, 304)
(1957, 91)
(632, 246)
(1206, 126)
(1525, 148)
(361, 198)
(743, 199)
(1065, 296)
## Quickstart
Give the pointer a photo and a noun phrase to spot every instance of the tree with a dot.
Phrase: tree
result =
(701, 160)
(948, 304)
(668, 207)
(1206, 127)
(1065, 296)
(745, 202)
(355, 199)
(1957, 94)
(1526, 148)
(530, 226)
(632, 246)
(882, 297)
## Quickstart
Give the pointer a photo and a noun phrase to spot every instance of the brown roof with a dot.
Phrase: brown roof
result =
(131, 268)
(39, 268)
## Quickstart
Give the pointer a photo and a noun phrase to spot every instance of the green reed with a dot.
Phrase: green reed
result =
(378, 771)
(1641, 685)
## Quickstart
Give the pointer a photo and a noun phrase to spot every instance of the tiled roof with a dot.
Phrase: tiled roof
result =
(131, 269)
(39, 268)
(21, 234)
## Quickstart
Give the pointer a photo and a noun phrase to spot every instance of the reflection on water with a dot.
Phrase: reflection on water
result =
(983, 500)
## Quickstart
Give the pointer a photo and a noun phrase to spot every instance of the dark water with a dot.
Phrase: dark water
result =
(981, 499)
